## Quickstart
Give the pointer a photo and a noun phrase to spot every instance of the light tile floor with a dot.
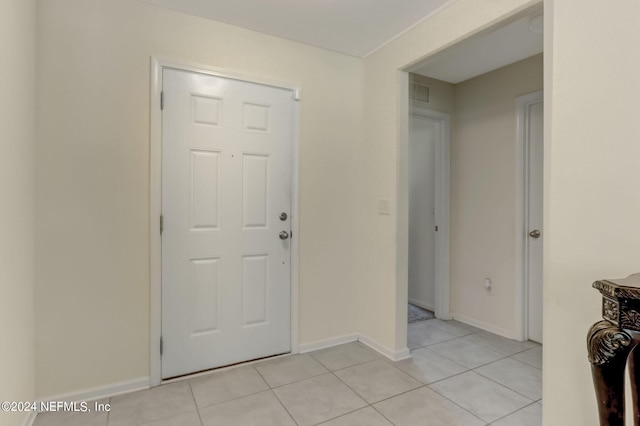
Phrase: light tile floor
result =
(458, 375)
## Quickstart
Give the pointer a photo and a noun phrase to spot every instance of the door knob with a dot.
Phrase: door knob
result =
(535, 233)
(284, 235)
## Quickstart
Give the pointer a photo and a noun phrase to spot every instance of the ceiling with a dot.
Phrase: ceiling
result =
(360, 27)
(352, 27)
(511, 43)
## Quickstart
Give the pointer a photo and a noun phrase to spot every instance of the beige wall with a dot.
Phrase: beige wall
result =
(483, 194)
(17, 146)
(591, 185)
(93, 185)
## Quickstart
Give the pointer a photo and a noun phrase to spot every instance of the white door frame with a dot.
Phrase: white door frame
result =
(442, 183)
(155, 201)
(522, 196)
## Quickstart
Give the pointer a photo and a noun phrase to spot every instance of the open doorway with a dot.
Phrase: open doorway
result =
(482, 78)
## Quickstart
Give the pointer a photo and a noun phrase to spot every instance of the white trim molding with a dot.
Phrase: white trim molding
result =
(485, 326)
(422, 305)
(155, 197)
(327, 343)
(393, 355)
(95, 393)
(100, 392)
(397, 355)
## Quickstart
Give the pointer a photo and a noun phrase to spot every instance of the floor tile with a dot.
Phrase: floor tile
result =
(289, 369)
(528, 416)
(454, 327)
(422, 334)
(466, 353)
(343, 356)
(184, 419)
(532, 357)
(260, 409)
(227, 385)
(364, 417)
(377, 380)
(515, 375)
(152, 404)
(412, 408)
(68, 418)
(480, 396)
(428, 366)
(498, 343)
(318, 399)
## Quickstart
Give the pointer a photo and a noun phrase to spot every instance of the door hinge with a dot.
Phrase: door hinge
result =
(162, 100)
(436, 228)
(161, 223)
(161, 345)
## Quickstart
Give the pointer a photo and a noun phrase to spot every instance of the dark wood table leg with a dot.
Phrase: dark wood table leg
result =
(609, 347)
(634, 376)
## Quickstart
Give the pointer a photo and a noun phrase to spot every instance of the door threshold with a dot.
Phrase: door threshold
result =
(220, 369)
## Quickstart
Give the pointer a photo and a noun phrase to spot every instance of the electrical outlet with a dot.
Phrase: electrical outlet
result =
(488, 286)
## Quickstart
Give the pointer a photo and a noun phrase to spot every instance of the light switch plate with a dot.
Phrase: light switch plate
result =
(383, 207)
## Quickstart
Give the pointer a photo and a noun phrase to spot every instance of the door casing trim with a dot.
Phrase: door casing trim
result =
(155, 200)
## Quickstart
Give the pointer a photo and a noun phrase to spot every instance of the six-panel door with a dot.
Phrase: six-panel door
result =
(226, 177)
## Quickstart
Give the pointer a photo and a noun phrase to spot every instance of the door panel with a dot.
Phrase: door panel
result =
(226, 147)
(422, 150)
(534, 219)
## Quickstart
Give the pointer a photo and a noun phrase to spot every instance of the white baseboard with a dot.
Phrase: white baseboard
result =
(100, 392)
(327, 343)
(392, 355)
(485, 326)
(423, 305)
(30, 418)
(347, 338)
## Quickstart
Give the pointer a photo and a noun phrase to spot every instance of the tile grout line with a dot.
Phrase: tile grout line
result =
(502, 384)
(473, 370)
(519, 409)
(383, 416)
(109, 412)
(276, 395)
(234, 398)
(193, 396)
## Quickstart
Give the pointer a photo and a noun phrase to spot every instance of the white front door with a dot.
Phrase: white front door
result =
(226, 207)
(534, 228)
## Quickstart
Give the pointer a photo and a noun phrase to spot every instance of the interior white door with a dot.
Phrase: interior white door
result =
(422, 205)
(535, 238)
(226, 204)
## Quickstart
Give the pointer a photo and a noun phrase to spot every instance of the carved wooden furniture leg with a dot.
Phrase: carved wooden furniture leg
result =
(634, 376)
(608, 348)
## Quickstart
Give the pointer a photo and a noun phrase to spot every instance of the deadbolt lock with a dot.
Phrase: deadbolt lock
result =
(283, 216)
